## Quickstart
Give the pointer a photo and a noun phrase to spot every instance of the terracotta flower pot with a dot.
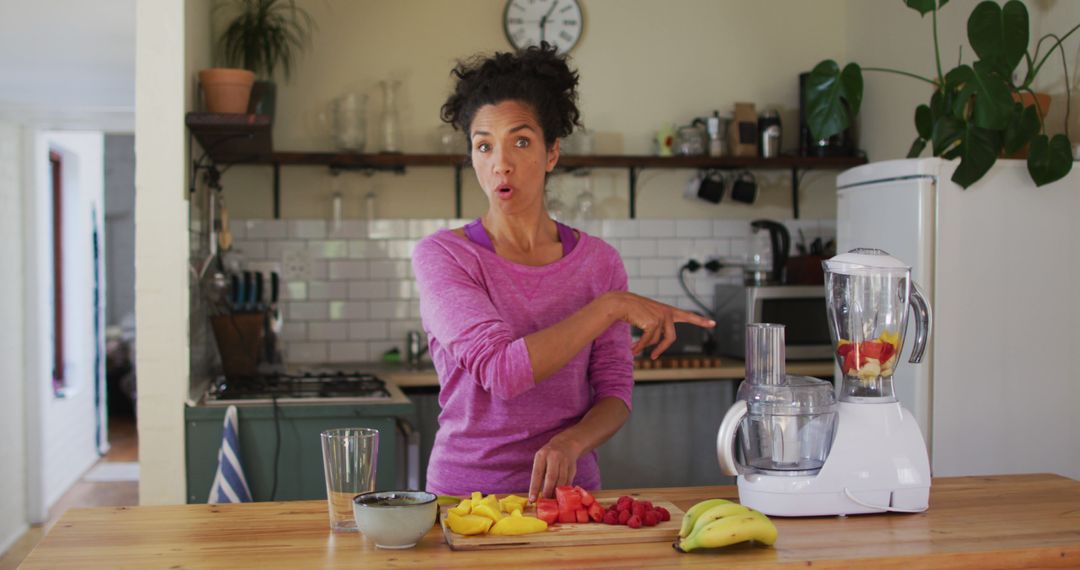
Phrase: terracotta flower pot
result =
(226, 90)
(1027, 100)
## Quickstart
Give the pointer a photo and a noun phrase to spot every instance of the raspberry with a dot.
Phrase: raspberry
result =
(634, 522)
(622, 506)
(651, 518)
(610, 517)
(624, 516)
(664, 514)
(638, 510)
(648, 505)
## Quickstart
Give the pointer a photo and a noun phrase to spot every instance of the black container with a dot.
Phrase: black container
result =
(841, 144)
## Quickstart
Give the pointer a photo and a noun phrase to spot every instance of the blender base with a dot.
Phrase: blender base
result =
(878, 463)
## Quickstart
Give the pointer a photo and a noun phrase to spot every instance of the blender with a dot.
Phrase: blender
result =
(806, 454)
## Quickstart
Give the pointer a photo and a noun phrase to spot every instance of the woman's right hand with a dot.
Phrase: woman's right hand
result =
(655, 319)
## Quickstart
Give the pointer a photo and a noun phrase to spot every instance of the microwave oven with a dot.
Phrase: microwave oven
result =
(800, 308)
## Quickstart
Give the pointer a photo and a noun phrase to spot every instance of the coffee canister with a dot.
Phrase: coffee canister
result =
(769, 130)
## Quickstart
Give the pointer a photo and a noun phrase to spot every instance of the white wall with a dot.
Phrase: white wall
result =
(643, 65)
(12, 365)
(64, 430)
(161, 245)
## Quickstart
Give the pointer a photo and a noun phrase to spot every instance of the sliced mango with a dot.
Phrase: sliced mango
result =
(512, 503)
(517, 524)
(892, 338)
(463, 508)
(476, 497)
(468, 524)
(485, 510)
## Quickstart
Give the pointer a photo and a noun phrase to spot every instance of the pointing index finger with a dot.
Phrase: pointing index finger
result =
(681, 316)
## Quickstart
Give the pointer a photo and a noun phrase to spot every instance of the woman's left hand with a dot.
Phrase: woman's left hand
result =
(553, 466)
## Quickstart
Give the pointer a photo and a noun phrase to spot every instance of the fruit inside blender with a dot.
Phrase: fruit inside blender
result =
(869, 359)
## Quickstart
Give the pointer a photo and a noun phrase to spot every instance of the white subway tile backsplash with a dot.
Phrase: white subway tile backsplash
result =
(390, 310)
(307, 311)
(619, 229)
(367, 249)
(388, 229)
(349, 352)
(275, 249)
(293, 331)
(656, 228)
(306, 352)
(266, 229)
(250, 249)
(387, 269)
(680, 248)
(400, 249)
(358, 297)
(348, 310)
(643, 286)
(693, 228)
(328, 330)
(351, 270)
(367, 289)
(308, 229)
(658, 267)
(238, 231)
(730, 228)
(328, 290)
(296, 290)
(331, 249)
(368, 330)
(637, 247)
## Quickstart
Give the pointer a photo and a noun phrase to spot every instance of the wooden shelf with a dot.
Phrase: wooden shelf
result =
(246, 139)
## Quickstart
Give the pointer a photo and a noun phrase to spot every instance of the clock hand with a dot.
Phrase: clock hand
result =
(544, 18)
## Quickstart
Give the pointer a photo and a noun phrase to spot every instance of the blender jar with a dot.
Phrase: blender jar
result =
(867, 293)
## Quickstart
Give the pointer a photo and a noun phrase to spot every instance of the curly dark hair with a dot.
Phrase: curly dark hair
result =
(536, 76)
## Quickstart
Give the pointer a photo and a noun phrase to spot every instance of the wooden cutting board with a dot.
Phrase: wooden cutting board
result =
(565, 534)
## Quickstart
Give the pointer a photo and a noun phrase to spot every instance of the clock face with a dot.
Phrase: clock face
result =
(529, 22)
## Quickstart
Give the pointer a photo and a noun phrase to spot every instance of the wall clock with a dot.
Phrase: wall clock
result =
(529, 22)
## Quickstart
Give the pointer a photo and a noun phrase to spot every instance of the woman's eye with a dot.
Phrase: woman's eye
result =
(522, 142)
(483, 147)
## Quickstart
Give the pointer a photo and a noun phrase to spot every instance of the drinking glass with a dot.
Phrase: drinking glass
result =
(349, 459)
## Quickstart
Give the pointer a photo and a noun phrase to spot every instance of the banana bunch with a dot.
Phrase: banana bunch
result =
(719, 522)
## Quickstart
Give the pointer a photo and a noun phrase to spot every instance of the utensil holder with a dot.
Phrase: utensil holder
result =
(240, 340)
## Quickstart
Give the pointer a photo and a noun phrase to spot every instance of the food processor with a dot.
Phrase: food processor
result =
(803, 452)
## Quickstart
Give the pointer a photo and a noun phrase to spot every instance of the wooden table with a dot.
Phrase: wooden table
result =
(1019, 521)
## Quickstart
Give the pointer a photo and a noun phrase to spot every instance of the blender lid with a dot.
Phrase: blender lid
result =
(797, 395)
(865, 260)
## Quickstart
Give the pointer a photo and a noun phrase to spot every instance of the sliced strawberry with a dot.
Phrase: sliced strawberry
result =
(567, 516)
(596, 512)
(586, 498)
(582, 515)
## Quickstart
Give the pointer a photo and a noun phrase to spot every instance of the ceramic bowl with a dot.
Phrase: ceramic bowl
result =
(395, 519)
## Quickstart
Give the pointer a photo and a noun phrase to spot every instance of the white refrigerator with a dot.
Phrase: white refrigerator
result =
(998, 390)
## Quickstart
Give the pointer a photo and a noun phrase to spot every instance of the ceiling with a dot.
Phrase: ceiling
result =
(67, 55)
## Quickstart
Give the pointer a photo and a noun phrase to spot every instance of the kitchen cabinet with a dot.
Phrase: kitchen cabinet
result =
(246, 139)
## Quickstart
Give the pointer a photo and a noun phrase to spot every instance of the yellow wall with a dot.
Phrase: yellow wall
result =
(643, 64)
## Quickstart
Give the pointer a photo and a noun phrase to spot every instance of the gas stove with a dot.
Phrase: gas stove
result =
(303, 387)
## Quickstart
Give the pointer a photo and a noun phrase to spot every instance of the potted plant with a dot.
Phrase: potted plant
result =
(976, 112)
(263, 36)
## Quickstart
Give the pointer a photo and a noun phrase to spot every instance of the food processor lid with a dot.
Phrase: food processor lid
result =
(866, 260)
(797, 395)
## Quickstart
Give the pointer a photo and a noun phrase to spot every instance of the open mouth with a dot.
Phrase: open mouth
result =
(504, 190)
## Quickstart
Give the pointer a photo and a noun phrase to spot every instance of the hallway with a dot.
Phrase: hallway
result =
(99, 487)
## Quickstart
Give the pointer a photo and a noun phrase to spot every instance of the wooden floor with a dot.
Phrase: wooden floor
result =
(124, 442)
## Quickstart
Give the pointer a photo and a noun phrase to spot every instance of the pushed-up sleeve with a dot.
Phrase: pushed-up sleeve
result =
(457, 311)
(611, 364)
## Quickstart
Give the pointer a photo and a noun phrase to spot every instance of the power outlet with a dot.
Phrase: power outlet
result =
(296, 264)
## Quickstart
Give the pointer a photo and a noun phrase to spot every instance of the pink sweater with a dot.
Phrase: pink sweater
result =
(477, 309)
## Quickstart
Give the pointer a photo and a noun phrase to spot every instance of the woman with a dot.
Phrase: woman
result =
(527, 319)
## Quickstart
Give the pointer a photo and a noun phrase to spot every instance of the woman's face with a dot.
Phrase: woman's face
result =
(509, 156)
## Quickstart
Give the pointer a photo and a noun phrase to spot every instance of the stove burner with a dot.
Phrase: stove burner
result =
(310, 384)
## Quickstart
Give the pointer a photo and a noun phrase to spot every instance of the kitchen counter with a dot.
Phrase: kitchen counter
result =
(729, 369)
(1015, 521)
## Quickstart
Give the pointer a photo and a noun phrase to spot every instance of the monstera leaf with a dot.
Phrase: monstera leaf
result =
(999, 35)
(924, 125)
(985, 92)
(1024, 126)
(1049, 159)
(924, 7)
(978, 152)
(833, 97)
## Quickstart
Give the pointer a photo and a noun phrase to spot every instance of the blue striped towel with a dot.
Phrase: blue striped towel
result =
(230, 486)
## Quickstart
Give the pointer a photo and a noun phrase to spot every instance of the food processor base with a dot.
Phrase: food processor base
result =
(878, 463)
